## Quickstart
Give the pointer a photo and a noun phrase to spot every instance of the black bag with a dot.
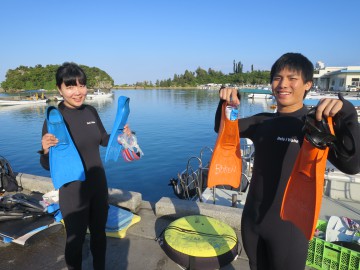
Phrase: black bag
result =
(8, 179)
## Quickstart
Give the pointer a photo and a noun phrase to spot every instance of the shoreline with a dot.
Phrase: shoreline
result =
(118, 87)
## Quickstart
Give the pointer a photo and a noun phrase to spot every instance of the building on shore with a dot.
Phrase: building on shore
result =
(336, 78)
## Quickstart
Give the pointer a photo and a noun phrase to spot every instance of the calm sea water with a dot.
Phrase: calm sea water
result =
(171, 126)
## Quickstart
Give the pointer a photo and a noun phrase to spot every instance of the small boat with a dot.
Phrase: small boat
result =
(263, 93)
(9, 102)
(23, 101)
(191, 184)
(99, 94)
(265, 96)
(28, 100)
(320, 95)
(56, 98)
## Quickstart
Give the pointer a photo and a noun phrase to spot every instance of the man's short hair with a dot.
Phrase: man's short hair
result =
(294, 61)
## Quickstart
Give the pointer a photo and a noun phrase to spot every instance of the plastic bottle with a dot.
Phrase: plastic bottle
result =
(231, 113)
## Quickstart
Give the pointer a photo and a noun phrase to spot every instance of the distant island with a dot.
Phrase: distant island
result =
(202, 77)
(40, 77)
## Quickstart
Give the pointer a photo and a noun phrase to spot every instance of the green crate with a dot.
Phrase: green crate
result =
(328, 256)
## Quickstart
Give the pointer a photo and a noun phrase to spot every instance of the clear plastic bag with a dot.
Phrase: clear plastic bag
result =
(131, 149)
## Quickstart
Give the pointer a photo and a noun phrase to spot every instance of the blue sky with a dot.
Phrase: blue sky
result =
(138, 40)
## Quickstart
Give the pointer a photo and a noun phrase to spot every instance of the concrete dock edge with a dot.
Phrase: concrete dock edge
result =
(177, 208)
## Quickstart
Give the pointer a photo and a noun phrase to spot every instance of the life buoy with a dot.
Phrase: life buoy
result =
(200, 242)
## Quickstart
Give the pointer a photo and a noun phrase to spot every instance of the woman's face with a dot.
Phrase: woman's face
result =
(74, 95)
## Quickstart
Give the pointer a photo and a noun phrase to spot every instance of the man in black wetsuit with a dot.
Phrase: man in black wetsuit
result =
(270, 242)
(83, 204)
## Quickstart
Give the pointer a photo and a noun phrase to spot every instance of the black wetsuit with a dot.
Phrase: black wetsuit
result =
(84, 204)
(270, 242)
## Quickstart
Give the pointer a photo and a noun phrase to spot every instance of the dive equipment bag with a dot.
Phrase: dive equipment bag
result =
(8, 180)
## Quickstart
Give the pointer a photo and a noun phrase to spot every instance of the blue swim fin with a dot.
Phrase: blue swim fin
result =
(114, 148)
(65, 162)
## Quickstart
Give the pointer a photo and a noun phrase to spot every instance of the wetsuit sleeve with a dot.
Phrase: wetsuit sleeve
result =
(104, 135)
(346, 154)
(218, 116)
(44, 158)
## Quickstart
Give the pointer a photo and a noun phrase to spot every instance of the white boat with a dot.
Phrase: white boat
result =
(263, 93)
(56, 98)
(191, 184)
(12, 102)
(340, 185)
(99, 94)
(18, 100)
(263, 96)
(320, 95)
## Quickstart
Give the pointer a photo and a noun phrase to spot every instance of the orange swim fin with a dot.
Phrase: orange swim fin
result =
(225, 166)
(303, 194)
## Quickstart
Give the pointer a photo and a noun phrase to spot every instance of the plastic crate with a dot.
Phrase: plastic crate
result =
(328, 256)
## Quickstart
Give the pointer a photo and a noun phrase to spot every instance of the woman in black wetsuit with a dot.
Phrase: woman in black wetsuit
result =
(270, 242)
(83, 204)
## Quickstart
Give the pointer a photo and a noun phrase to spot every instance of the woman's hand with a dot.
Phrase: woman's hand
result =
(230, 95)
(127, 130)
(47, 141)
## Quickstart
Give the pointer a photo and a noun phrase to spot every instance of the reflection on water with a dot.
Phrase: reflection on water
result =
(170, 125)
(100, 103)
(24, 110)
(256, 105)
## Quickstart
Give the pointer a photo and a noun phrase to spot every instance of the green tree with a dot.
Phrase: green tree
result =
(39, 77)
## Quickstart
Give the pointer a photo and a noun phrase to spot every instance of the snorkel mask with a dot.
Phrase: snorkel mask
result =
(318, 132)
(130, 148)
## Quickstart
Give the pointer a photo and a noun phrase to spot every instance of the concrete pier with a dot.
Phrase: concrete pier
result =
(137, 251)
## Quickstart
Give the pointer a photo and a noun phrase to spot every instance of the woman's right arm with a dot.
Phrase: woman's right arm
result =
(47, 141)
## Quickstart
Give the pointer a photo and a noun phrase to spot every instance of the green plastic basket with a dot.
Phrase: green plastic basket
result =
(328, 256)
